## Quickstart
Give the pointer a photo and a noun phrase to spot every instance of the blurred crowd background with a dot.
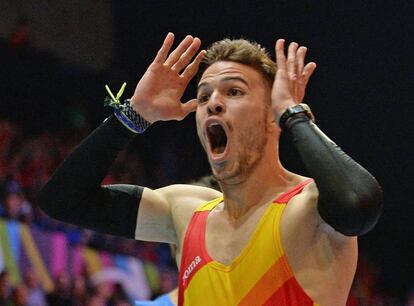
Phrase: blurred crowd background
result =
(55, 59)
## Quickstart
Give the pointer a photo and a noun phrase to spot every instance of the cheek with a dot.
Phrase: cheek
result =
(198, 124)
(253, 117)
(254, 127)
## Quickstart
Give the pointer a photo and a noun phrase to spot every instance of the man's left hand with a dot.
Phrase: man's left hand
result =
(292, 76)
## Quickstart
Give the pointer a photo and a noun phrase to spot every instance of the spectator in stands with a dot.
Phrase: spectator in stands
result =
(35, 293)
(18, 296)
(79, 291)
(5, 287)
(61, 296)
(17, 207)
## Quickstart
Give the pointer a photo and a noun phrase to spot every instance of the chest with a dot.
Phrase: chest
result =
(225, 240)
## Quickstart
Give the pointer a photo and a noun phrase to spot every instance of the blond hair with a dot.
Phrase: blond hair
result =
(240, 51)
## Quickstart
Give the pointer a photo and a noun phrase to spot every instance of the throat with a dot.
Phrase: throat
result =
(218, 138)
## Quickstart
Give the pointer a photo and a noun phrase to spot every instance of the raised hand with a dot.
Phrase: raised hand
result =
(158, 93)
(292, 76)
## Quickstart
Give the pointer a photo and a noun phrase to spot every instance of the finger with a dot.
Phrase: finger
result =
(176, 54)
(280, 54)
(188, 107)
(308, 71)
(165, 48)
(291, 60)
(192, 69)
(300, 60)
(186, 57)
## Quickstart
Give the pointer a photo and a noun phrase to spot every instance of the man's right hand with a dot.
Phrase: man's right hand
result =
(158, 93)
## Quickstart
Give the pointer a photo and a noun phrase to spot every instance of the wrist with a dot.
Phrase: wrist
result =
(130, 118)
(142, 107)
(280, 108)
(125, 113)
(302, 110)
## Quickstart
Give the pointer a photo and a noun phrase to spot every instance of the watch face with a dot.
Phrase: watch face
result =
(297, 109)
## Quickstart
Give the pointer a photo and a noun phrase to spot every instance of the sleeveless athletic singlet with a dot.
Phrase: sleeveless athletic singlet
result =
(260, 275)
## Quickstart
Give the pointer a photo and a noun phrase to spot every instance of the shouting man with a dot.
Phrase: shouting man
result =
(272, 237)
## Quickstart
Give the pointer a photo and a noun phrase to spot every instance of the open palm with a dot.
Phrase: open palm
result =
(159, 92)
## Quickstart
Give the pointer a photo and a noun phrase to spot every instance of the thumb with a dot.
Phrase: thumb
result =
(189, 107)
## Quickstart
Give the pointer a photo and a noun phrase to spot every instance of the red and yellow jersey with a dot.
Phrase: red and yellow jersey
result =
(260, 275)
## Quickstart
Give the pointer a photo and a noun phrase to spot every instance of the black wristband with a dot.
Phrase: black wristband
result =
(295, 110)
(295, 119)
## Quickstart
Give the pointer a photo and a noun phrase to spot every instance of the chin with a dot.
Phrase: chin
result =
(232, 176)
(229, 179)
(237, 172)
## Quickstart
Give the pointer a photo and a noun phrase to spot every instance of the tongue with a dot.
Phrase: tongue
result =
(219, 149)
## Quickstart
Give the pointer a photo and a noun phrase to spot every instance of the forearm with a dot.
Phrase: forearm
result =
(350, 198)
(74, 195)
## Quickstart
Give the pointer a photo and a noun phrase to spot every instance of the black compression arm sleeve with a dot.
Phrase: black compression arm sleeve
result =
(350, 198)
(74, 195)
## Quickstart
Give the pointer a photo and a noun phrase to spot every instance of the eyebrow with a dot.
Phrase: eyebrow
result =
(229, 78)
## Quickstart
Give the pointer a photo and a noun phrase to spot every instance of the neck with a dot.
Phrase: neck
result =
(267, 180)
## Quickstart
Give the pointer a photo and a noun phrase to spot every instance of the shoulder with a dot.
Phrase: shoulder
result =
(164, 213)
(177, 192)
(301, 214)
(184, 200)
(179, 195)
(301, 209)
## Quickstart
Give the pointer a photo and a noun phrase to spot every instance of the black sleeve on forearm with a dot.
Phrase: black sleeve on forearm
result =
(350, 198)
(74, 194)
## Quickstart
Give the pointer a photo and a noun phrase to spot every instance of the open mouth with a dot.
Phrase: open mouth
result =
(217, 137)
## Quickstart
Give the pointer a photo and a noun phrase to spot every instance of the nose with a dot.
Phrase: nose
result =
(215, 105)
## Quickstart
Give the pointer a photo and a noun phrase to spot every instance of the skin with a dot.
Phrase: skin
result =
(250, 173)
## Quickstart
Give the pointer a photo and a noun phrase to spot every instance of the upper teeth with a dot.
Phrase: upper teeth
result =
(213, 124)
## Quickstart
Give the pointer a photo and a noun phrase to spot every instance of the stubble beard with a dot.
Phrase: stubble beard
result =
(252, 144)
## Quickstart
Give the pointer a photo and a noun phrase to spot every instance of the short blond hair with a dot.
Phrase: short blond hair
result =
(240, 51)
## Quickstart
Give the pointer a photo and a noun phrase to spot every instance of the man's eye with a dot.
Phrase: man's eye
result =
(235, 92)
(203, 98)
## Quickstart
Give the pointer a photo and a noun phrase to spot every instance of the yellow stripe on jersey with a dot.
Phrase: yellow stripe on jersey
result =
(210, 205)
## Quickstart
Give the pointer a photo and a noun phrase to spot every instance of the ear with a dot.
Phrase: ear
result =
(271, 121)
(272, 126)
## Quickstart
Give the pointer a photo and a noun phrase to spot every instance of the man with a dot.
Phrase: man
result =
(272, 237)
